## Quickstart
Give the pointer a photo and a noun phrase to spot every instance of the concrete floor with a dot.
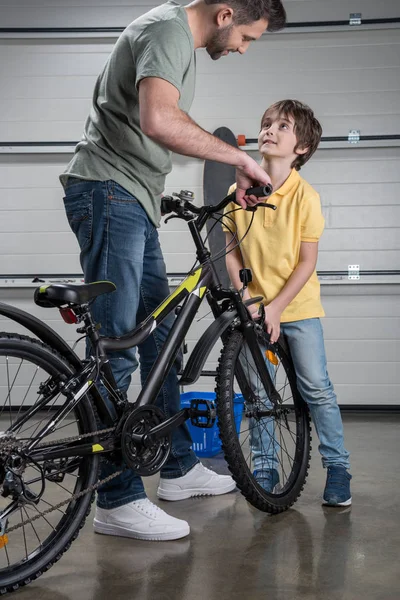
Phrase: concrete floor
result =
(236, 552)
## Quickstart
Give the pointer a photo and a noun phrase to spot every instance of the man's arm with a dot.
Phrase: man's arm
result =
(162, 120)
(302, 273)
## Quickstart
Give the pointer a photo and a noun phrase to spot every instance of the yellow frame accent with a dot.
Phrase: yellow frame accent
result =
(97, 448)
(188, 284)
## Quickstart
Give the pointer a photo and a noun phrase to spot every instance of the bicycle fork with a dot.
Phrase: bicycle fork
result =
(257, 356)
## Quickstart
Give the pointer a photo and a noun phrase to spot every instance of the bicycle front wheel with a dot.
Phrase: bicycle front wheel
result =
(41, 524)
(267, 447)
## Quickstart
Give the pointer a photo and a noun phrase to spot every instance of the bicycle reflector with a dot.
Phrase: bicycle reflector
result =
(272, 357)
(68, 315)
(3, 540)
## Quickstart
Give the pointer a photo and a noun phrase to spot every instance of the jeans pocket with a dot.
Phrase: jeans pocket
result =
(79, 210)
(119, 194)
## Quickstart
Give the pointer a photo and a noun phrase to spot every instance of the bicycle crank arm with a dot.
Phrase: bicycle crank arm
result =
(159, 431)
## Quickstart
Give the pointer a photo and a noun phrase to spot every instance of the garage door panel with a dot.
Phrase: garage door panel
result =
(375, 395)
(351, 80)
(359, 239)
(373, 351)
(368, 260)
(360, 193)
(362, 329)
(324, 105)
(353, 307)
(364, 216)
(28, 64)
(51, 16)
(45, 263)
(286, 84)
(45, 87)
(333, 56)
(364, 373)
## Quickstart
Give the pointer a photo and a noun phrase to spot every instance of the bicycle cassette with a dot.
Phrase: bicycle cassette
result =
(146, 457)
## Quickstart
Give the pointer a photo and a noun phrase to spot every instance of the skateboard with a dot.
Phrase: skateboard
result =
(217, 178)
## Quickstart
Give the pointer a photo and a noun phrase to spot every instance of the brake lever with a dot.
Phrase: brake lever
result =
(185, 216)
(263, 204)
(171, 217)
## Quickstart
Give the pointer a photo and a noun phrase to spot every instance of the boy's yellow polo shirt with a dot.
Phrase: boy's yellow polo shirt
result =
(271, 248)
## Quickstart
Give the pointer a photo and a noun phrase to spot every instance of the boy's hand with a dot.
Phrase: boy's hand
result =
(273, 322)
(248, 175)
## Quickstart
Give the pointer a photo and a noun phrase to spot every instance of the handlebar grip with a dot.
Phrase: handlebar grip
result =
(260, 191)
(166, 205)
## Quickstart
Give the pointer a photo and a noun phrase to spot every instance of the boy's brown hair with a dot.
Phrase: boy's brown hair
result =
(307, 128)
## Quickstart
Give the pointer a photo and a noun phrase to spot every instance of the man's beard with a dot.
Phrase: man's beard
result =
(217, 44)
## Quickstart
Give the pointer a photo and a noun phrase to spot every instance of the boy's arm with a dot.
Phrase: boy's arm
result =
(233, 266)
(233, 262)
(302, 273)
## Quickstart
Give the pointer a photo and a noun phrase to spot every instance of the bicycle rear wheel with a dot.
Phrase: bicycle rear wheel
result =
(267, 450)
(36, 542)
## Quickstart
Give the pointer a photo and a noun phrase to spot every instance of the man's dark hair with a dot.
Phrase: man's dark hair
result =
(307, 128)
(248, 11)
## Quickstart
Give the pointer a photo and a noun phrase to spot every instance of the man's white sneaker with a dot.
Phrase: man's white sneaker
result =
(140, 519)
(199, 481)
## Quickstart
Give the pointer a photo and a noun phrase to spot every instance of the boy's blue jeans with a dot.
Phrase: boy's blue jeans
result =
(306, 342)
(118, 243)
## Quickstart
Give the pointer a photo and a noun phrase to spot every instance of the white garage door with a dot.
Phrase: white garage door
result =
(349, 75)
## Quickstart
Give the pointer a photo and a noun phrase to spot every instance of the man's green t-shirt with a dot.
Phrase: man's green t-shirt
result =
(158, 44)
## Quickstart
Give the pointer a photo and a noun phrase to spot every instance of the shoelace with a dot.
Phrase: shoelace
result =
(148, 508)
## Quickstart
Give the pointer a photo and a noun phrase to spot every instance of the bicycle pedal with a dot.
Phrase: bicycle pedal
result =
(202, 413)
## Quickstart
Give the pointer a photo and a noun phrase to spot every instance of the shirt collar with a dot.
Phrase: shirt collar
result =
(290, 182)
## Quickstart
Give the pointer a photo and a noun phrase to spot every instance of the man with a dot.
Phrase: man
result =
(113, 187)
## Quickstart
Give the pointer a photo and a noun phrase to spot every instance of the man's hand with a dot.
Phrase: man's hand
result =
(273, 322)
(249, 175)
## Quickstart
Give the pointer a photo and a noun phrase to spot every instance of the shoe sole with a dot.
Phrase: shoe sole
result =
(345, 503)
(172, 495)
(105, 529)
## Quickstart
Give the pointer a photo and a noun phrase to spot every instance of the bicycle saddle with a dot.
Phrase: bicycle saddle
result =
(59, 294)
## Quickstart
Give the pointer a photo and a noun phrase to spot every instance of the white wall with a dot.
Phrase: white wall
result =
(103, 13)
(352, 80)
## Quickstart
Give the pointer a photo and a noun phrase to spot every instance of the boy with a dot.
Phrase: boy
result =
(281, 250)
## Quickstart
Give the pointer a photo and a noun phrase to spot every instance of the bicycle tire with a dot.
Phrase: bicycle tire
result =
(260, 487)
(20, 356)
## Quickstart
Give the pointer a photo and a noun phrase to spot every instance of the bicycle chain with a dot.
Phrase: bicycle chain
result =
(88, 490)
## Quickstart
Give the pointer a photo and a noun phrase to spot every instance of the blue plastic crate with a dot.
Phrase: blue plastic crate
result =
(206, 442)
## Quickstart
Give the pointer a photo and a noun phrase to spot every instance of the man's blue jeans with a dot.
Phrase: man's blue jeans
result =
(306, 342)
(118, 243)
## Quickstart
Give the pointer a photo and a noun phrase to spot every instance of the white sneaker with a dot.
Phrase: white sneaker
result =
(199, 481)
(140, 519)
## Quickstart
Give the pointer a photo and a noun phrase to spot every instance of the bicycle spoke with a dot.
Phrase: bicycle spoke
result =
(271, 447)
(23, 532)
(27, 392)
(36, 525)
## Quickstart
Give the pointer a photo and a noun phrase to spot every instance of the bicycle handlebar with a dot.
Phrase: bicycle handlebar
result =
(182, 205)
(260, 191)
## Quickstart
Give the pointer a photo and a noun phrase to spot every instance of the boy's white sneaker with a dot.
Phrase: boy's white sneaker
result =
(140, 519)
(199, 481)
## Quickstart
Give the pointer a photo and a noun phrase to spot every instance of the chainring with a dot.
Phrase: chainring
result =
(144, 459)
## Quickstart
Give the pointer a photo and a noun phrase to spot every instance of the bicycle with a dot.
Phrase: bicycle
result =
(52, 441)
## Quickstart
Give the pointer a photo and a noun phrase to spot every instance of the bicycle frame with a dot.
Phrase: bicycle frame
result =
(203, 281)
